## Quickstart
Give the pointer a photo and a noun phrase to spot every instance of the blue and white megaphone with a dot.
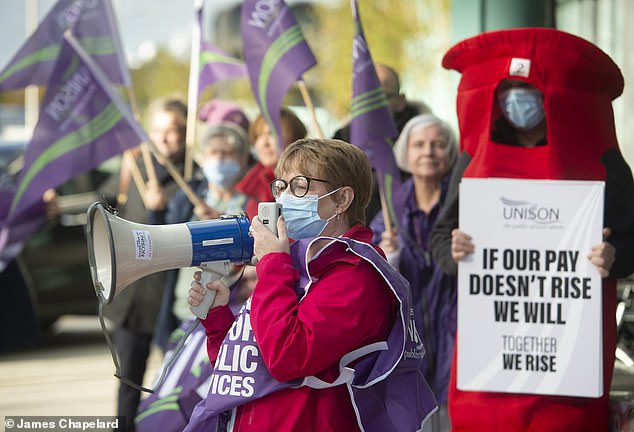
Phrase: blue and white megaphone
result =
(120, 251)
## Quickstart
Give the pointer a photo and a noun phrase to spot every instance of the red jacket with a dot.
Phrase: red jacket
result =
(347, 306)
(255, 185)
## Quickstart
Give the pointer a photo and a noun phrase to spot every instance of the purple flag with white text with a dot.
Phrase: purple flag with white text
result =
(215, 64)
(83, 122)
(372, 127)
(276, 55)
(94, 25)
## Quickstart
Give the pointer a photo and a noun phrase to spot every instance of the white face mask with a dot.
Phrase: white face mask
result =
(522, 107)
(222, 173)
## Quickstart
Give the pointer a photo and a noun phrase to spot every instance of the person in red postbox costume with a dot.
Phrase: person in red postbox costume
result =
(536, 103)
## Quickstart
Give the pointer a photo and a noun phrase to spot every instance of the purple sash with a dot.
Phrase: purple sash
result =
(389, 391)
(376, 381)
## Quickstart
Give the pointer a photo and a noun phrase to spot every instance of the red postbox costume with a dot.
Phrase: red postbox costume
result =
(578, 82)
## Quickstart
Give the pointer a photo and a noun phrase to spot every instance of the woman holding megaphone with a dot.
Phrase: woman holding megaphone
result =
(321, 342)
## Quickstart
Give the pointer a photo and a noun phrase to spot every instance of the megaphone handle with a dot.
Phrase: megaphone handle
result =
(203, 308)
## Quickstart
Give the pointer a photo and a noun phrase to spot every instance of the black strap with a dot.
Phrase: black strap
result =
(230, 281)
(115, 359)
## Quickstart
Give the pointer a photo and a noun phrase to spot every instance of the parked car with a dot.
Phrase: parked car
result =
(53, 265)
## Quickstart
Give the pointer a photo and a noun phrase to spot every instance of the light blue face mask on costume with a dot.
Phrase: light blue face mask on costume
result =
(301, 216)
(522, 107)
(222, 173)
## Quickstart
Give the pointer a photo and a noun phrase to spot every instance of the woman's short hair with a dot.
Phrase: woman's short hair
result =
(339, 162)
(292, 127)
(234, 135)
(424, 120)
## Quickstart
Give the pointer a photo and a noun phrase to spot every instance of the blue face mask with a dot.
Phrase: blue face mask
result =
(221, 173)
(522, 107)
(301, 216)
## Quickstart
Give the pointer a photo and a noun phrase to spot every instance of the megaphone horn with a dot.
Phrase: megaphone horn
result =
(121, 252)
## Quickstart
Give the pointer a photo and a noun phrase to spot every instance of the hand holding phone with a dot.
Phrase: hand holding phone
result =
(268, 212)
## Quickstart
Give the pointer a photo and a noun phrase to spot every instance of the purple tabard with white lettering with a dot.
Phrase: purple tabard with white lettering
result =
(388, 388)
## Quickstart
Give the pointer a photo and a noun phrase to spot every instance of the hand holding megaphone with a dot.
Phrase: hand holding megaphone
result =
(198, 292)
(225, 272)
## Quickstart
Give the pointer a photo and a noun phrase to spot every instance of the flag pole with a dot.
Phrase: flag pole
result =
(309, 104)
(192, 97)
(129, 162)
(178, 178)
(386, 212)
(31, 92)
(147, 157)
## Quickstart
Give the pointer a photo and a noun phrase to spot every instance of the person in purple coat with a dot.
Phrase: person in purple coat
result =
(426, 149)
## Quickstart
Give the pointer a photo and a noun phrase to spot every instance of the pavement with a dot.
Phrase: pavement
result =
(70, 373)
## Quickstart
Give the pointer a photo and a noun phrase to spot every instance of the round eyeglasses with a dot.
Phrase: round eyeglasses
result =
(299, 185)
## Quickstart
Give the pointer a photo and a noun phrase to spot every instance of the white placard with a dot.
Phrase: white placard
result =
(529, 300)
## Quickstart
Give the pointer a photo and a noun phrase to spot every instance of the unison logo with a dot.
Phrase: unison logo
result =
(66, 98)
(526, 211)
(262, 13)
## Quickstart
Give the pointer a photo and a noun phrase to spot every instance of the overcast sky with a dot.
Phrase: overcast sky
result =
(141, 22)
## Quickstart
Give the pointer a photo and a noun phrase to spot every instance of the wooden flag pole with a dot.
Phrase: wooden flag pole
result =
(129, 167)
(192, 93)
(147, 157)
(309, 104)
(178, 178)
(147, 160)
(386, 212)
(128, 160)
(31, 92)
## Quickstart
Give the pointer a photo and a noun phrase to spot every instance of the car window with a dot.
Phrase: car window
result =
(10, 163)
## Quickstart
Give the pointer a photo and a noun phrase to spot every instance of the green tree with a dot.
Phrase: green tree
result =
(165, 76)
(407, 35)
(162, 76)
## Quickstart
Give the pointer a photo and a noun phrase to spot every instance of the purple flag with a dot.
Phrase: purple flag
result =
(92, 22)
(276, 55)
(82, 123)
(372, 127)
(215, 64)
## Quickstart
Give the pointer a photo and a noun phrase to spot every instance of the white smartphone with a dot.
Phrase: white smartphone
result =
(268, 212)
